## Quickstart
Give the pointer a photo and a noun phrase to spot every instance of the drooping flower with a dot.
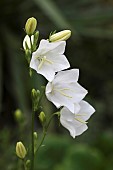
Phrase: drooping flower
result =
(76, 123)
(64, 90)
(49, 58)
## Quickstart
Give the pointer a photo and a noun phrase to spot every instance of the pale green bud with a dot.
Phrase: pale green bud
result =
(20, 150)
(36, 36)
(42, 117)
(35, 94)
(18, 115)
(35, 135)
(30, 26)
(35, 141)
(28, 162)
(28, 55)
(60, 36)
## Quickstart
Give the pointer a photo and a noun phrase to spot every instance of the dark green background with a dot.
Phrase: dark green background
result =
(90, 49)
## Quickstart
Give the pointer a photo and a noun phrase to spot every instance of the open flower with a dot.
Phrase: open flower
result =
(49, 58)
(76, 123)
(64, 89)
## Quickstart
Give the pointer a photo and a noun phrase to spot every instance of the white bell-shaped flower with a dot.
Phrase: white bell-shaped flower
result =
(49, 58)
(76, 123)
(64, 90)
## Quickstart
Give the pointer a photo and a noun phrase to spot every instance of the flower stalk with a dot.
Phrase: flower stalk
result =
(32, 141)
(45, 129)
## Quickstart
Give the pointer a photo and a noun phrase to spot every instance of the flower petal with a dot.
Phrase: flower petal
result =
(58, 100)
(50, 96)
(67, 76)
(81, 129)
(60, 47)
(69, 93)
(59, 61)
(66, 120)
(47, 71)
(86, 110)
(69, 126)
(45, 46)
(34, 63)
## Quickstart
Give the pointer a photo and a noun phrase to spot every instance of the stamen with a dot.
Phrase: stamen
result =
(43, 59)
(50, 62)
(81, 114)
(62, 93)
(41, 63)
(65, 89)
(80, 120)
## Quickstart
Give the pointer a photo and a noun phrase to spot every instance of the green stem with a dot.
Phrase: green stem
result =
(24, 164)
(32, 141)
(45, 131)
(31, 45)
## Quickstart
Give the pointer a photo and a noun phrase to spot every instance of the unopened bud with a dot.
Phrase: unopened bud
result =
(18, 115)
(35, 94)
(28, 55)
(35, 141)
(42, 117)
(28, 162)
(27, 43)
(20, 150)
(60, 36)
(30, 26)
(36, 36)
(35, 135)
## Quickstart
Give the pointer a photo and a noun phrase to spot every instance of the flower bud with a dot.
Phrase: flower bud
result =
(36, 36)
(28, 162)
(35, 94)
(18, 115)
(28, 55)
(20, 150)
(35, 135)
(27, 42)
(42, 117)
(30, 26)
(35, 141)
(60, 36)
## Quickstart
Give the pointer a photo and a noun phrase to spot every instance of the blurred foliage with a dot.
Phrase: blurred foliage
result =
(61, 153)
(90, 49)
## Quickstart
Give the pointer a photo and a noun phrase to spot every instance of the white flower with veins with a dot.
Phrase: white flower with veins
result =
(64, 90)
(76, 123)
(49, 58)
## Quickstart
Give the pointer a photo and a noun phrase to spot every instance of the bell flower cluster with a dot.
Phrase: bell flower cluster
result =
(62, 89)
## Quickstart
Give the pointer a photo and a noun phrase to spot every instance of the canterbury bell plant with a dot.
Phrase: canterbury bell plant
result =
(47, 58)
